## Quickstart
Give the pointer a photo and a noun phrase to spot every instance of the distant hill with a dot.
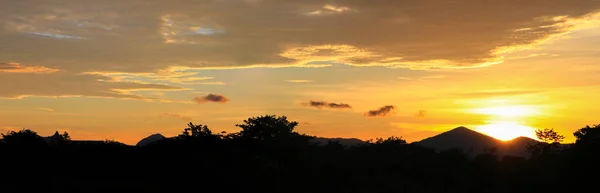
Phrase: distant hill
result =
(348, 142)
(475, 143)
(150, 139)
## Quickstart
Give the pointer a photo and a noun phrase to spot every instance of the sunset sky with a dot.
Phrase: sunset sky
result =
(125, 69)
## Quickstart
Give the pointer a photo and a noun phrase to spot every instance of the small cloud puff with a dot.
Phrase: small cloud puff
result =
(211, 98)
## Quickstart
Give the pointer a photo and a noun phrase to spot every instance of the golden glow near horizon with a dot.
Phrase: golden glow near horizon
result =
(507, 111)
(371, 68)
(506, 122)
(507, 130)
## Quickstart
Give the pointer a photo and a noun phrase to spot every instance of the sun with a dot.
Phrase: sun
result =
(507, 122)
(507, 130)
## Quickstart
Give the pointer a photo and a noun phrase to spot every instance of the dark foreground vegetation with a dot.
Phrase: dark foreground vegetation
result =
(268, 156)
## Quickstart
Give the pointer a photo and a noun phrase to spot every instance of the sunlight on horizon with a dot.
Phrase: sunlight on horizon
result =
(507, 130)
(507, 122)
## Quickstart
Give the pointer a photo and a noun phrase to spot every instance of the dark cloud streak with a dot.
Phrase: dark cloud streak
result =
(382, 112)
(211, 98)
(323, 104)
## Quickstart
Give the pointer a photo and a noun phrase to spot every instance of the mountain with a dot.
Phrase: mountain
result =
(348, 142)
(474, 143)
(150, 139)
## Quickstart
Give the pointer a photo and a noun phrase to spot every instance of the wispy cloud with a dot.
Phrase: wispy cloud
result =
(432, 77)
(422, 78)
(175, 115)
(18, 68)
(59, 36)
(211, 83)
(176, 75)
(500, 92)
(46, 109)
(299, 81)
(74, 85)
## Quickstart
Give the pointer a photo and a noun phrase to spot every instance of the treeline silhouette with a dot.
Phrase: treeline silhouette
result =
(267, 155)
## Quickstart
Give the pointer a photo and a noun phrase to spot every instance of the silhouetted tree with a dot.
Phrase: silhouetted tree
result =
(270, 128)
(59, 139)
(24, 137)
(588, 136)
(268, 155)
(196, 131)
(65, 136)
(549, 136)
(587, 148)
(549, 144)
(393, 140)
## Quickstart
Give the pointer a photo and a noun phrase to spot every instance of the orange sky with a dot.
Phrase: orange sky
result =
(126, 69)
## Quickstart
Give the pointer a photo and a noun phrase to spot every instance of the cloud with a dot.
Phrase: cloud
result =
(211, 83)
(323, 104)
(424, 78)
(496, 93)
(431, 77)
(420, 113)
(177, 75)
(19, 85)
(175, 115)
(299, 81)
(94, 36)
(46, 109)
(383, 111)
(18, 68)
(328, 9)
(211, 98)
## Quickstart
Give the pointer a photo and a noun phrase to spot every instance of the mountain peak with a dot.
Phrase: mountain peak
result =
(475, 142)
(151, 139)
(460, 138)
(461, 129)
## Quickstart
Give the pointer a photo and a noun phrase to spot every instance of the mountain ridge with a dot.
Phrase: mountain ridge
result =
(474, 142)
(468, 140)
